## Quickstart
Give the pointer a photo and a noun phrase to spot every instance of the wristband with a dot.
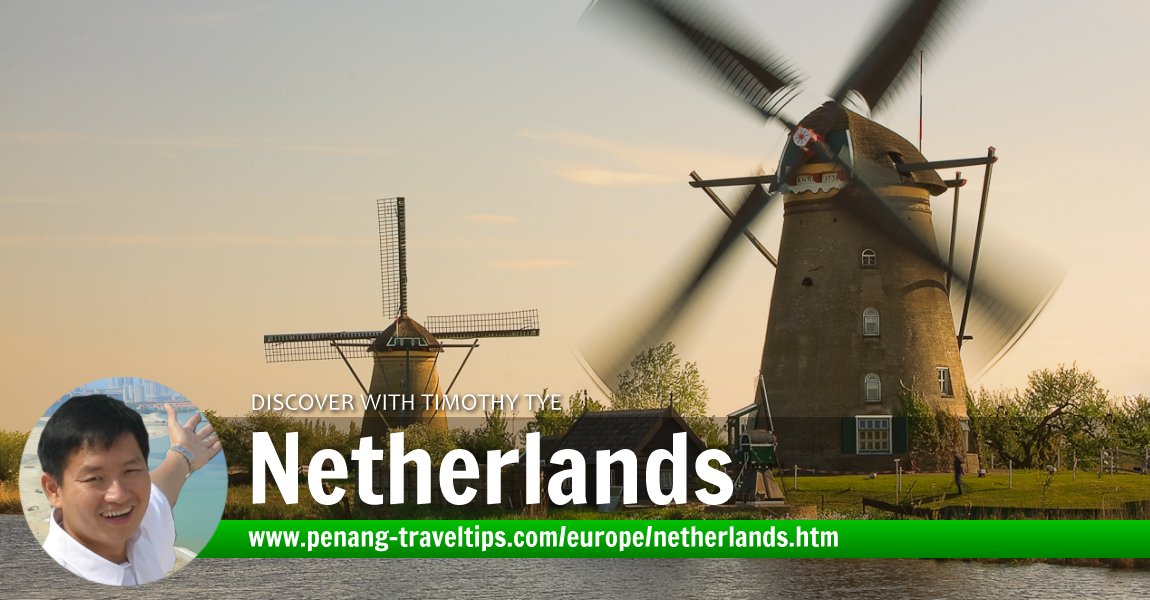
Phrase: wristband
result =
(187, 454)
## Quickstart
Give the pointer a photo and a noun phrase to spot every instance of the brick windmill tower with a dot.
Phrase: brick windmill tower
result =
(405, 355)
(860, 308)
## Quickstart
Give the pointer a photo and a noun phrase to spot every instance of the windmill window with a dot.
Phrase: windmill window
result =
(944, 385)
(869, 258)
(870, 322)
(873, 388)
(873, 434)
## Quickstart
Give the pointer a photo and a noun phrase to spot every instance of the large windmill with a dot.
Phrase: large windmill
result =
(860, 306)
(406, 353)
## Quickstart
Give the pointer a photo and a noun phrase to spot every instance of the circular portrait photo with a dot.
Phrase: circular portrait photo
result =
(122, 481)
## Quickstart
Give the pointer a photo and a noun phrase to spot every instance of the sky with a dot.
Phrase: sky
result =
(178, 179)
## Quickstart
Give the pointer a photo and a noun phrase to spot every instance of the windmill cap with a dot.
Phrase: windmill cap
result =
(405, 334)
(875, 148)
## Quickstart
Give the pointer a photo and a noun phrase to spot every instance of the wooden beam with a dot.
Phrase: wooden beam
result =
(752, 180)
(947, 164)
(730, 215)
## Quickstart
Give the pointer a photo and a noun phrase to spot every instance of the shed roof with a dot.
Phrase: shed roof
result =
(405, 327)
(622, 429)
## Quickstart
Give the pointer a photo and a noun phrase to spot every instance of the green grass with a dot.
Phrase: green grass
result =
(831, 495)
(239, 506)
(1029, 489)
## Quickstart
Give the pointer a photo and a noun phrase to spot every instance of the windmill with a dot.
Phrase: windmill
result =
(860, 306)
(406, 353)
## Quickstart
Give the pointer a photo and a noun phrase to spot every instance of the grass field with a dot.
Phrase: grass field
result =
(9, 498)
(839, 495)
(1027, 489)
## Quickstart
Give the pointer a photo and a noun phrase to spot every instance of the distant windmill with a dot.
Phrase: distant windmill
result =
(405, 354)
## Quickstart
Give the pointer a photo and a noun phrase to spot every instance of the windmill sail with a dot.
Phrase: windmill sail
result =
(517, 323)
(404, 354)
(298, 347)
(392, 256)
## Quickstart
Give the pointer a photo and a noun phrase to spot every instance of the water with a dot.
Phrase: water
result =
(202, 498)
(27, 572)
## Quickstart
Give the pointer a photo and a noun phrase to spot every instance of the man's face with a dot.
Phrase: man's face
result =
(103, 495)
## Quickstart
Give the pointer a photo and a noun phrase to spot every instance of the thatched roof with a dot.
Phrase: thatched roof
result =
(873, 145)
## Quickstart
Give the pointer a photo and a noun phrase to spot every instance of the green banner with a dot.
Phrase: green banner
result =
(679, 539)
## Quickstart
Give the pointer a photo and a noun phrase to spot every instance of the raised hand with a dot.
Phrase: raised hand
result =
(202, 445)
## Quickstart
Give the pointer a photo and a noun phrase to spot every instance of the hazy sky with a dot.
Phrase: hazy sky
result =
(178, 179)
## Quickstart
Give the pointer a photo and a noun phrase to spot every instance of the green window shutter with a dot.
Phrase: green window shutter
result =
(898, 435)
(850, 445)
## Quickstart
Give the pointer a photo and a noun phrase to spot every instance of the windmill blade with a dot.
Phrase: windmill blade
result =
(1005, 301)
(888, 62)
(751, 71)
(296, 347)
(589, 371)
(613, 353)
(392, 255)
(516, 323)
(1033, 281)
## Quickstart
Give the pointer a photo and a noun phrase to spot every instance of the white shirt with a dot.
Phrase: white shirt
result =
(150, 552)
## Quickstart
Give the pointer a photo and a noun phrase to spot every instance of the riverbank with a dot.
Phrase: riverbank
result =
(1087, 494)
(27, 572)
(999, 495)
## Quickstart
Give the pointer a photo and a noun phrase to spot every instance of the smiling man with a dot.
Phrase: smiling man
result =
(112, 520)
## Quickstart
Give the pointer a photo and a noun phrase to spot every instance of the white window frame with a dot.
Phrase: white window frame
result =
(872, 382)
(871, 317)
(868, 258)
(945, 383)
(873, 434)
(666, 480)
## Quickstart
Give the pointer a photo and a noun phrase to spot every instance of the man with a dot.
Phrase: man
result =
(112, 520)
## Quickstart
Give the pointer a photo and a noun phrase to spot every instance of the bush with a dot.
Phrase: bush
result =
(9, 499)
(235, 435)
(11, 449)
(934, 434)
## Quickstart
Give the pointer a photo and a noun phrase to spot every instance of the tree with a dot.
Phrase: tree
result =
(1061, 409)
(491, 435)
(235, 434)
(657, 377)
(549, 422)
(1132, 423)
(436, 441)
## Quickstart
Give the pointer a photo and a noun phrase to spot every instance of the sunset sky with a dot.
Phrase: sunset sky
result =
(178, 179)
